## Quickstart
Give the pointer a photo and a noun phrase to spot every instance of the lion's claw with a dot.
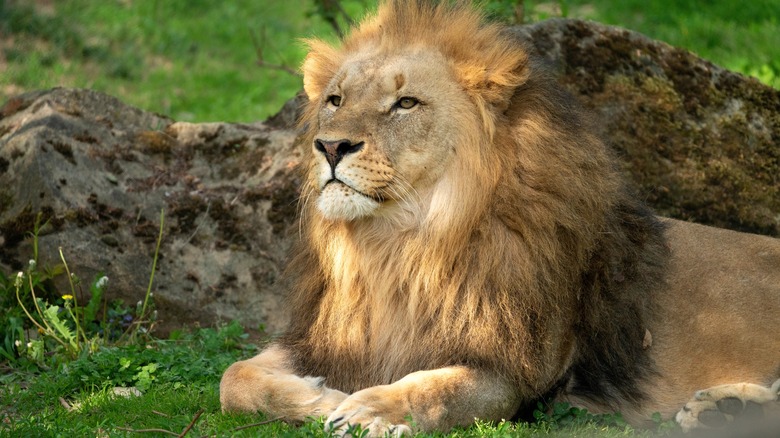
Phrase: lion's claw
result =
(377, 427)
(369, 412)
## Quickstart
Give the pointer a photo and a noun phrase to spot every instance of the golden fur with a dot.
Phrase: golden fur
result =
(475, 241)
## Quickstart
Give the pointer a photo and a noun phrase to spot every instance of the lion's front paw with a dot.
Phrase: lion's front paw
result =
(374, 411)
(720, 405)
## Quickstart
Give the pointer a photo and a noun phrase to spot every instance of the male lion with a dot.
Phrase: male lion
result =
(468, 248)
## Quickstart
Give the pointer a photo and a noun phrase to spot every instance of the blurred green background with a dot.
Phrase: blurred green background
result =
(197, 60)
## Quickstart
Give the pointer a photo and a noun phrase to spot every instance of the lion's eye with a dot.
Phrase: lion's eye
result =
(407, 102)
(334, 100)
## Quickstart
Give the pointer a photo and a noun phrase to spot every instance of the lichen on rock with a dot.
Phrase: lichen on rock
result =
(701, 142)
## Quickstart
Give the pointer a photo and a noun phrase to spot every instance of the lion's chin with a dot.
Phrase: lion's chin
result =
(339, 201)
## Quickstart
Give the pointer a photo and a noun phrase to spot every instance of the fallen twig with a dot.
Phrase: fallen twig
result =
(65, 404)
(192, 423)
(127, 429)
(248, 426)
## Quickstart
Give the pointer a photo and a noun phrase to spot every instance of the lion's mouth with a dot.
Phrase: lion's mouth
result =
(377, 197)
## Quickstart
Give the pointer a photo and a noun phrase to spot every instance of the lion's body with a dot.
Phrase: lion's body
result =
(468, 248)
(714, 322)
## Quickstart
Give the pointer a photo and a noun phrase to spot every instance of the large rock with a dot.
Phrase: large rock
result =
(101, 172)
(701, 142)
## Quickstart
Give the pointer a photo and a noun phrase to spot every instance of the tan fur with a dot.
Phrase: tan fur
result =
(477, 251)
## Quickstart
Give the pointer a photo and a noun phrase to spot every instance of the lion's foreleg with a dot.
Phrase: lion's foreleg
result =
(266, 383)
(427, 400)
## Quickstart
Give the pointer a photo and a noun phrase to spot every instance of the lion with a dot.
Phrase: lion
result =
(468, 248)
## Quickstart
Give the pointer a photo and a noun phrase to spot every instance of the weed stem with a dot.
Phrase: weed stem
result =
(79, 330)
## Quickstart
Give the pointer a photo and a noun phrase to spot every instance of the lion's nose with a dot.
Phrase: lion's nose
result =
(334, 151)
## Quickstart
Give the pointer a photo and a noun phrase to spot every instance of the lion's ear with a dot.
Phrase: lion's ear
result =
(319, 67)
(493, 77)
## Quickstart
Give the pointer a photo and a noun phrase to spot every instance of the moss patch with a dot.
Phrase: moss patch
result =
(700, 141)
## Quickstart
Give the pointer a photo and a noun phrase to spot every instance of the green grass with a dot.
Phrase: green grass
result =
(195, 60)
(190, 59)
(179, 378)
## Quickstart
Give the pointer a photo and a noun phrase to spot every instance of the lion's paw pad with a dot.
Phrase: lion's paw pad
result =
(721, 405)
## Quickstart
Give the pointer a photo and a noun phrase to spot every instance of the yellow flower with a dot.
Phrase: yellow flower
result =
(67, 297)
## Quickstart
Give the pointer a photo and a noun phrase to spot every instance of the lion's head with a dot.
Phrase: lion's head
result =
(402, 119)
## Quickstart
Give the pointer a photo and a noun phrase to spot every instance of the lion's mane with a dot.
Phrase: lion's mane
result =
(533, 263)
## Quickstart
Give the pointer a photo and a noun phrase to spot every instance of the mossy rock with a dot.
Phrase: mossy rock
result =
(702, 143)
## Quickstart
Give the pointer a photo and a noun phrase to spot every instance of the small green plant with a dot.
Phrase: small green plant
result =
(63, 324)
(67, 324)
(562, 415)
(146, 312)
(175, 379)
(14, 334)
(145, 376)
(665, 427)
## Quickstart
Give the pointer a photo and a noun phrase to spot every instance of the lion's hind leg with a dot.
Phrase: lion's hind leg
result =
(717, 406)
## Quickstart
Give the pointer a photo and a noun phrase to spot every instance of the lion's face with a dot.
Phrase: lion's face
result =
(385, 133)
